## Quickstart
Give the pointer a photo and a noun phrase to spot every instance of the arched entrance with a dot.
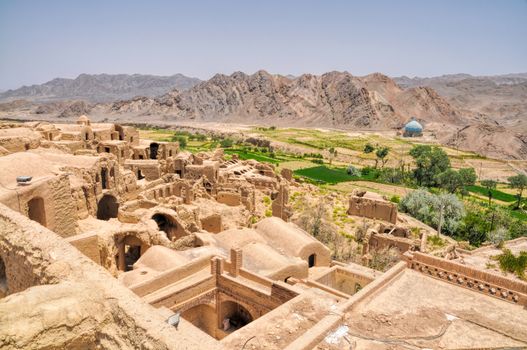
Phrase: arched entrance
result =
(202, 316)
(234, 315)
(154, 146)
(3, 279)
(120, 130)
(129, 250)
(36, 210)
(107, 208)
(169, 226)
(311, 260)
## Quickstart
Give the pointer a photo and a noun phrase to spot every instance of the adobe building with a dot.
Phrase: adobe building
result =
(155, 248)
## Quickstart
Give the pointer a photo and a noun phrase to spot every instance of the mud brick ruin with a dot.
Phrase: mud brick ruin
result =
(109, 241)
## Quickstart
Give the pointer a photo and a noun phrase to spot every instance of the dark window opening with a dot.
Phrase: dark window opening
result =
(107, 149)
(131, 255)
(104, 178)
(36, 210)
(154, 146)
(311, 260)
(3, 279)
(236, 315)
(107, 208)
(141, 156)
(139, 175)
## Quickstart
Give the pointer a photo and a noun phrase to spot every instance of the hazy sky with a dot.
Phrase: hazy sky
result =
(41, 40)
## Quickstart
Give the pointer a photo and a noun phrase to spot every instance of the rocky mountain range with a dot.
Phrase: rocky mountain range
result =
(334, 99)
(487, 115)
(100, 87)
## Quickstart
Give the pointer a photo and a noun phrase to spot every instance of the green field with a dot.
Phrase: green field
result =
(496, 194)
(325, 174)
(252, 155)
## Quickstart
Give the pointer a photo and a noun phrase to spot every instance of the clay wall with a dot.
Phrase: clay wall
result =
(49, 201)
(212, 223)
(373, 209)
(150, 170)
(229, 198)
(345, 280)
(383, 240)
(19, 139)
(488, 283)
(87, 244)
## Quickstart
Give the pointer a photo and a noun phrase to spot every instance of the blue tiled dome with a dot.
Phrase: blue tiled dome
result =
(413, 126)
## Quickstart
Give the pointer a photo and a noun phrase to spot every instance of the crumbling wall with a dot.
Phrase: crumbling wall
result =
(372, 208)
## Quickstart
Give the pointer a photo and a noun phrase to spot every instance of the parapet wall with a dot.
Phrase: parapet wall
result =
(491, 284)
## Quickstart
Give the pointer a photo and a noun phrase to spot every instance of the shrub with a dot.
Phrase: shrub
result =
(226, 143)
(395, 199)
(498, 236)
(182, 140)
(317, 161)
(513, 264)
(352, 171)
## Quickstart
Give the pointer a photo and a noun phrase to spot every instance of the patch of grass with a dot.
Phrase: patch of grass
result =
(435, 241)
(496, 194)
(325, 174)
(511, 263)
(244, 155)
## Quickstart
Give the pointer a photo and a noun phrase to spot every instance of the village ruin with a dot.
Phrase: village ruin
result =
(110, 241)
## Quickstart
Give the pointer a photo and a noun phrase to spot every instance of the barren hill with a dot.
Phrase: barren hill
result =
(334, 99)
(100, 87)
(502, 98)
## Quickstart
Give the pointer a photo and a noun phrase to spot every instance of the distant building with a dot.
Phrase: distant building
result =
(413, 128)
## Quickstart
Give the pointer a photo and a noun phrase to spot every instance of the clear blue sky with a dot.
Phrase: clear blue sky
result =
(41, 40)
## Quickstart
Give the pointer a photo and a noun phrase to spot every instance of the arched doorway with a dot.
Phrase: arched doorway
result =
(3, 279)
(154, 146)
(202, 316)
(311, 260)
(234, 315)
(107, 208)
(120, 130)
(169, 225)
(36, 210)
(129, 250)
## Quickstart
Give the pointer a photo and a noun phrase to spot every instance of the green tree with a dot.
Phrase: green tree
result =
(381, 155)
(490, 185)
(226, 143)
(449, 180)
(368, 148)
(468, 178)
(429, 162)
(443, 212)
(182, 140)
(332, 154)
(519, 182)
